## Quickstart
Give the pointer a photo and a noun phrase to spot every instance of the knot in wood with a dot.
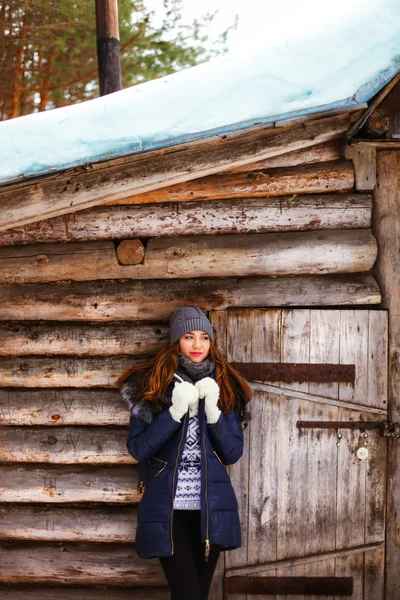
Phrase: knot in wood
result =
(42, 258)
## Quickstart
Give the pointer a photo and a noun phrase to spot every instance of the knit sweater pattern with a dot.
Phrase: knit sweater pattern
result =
(187, 496)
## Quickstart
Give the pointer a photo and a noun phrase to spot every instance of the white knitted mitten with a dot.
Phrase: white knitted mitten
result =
(209, 389)
(184, 395)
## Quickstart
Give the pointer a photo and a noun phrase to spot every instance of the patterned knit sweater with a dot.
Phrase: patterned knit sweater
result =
(187, 495)
(188, 486)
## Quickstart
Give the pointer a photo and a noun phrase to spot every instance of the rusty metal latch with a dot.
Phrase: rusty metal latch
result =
(385, 429)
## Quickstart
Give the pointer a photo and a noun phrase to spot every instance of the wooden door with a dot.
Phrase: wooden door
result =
(309, 507)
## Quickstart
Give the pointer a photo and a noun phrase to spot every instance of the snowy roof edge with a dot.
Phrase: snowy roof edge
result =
(365, 93)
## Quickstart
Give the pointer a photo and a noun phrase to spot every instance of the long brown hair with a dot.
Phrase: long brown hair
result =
(159, 372)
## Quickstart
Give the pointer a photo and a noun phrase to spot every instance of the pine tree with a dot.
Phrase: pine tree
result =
(48, 50)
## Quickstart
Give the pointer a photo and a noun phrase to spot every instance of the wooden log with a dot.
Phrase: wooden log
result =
(387, 269)
(72, 563)
(155, 300)
(130, 252)
(60, 484)
(65, 445)
(92, 185)
(60, 407)
(68, 524)
(306, 179)
(40, 592)
(315, 154)
(45, 372)
(107, 339)
(296, 253)
(244, 215)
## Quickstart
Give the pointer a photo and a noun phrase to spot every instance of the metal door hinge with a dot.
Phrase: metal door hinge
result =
(385, 429)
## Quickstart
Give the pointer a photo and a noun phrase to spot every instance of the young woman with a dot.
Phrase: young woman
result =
(188, 412)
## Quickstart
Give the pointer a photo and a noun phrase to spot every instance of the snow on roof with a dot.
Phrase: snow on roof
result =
(325, 71)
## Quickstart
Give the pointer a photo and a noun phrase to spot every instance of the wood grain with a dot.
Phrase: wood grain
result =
(57, 407)
(82, 339)
(61, 484)
(77, 563)
(92, 185)
(335, 176)
(65, 445)
(63, 523)
(40, 592)
(104, 301)
(387, 269)
(171, 219)
(296, 253)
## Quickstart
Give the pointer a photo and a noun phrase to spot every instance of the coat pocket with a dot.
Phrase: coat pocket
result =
(160, 461)
(219, 459)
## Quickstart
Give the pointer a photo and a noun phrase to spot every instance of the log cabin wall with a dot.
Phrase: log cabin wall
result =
(85, 295)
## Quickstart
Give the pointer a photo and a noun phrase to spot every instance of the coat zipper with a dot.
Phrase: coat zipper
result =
(207, 546)
(173, 480)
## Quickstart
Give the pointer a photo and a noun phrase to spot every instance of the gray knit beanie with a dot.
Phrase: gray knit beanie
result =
(189, 318)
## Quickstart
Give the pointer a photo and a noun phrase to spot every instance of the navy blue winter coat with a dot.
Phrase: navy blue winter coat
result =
(158, 441)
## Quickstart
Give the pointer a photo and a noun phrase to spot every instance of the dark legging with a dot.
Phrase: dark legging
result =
(188, 574)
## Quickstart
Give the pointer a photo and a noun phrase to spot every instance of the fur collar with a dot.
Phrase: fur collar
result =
(130, 394)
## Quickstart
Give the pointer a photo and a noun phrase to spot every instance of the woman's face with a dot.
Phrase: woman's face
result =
(195, 345)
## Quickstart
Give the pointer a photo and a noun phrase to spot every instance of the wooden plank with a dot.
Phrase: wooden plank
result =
(40, 592)
(72, 563)
(243, 215)
(270, 567)
(59, 407)
(351, 497)
(156, 300)
(353, 566)
(296, 253)
(64, 523)
(374, 576)
(335, 176)
(315, 154)
(237, 349)
(387, 268)
(364, 161)
(87, 186)
(78, 483)
(65, 445)
(81, 339)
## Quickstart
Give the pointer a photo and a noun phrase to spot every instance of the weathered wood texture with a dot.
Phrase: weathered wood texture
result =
(40, 592)
(300, 489)
(77, 563)
(314, 154)
(112, 180)
(295, 253)
(46, 372)
(336, 176)
(59, 484)
(387, 269)
(66, 445)
(245, 215)
(59, 407)
(364, 160)
(68, 523)
(82, 339)
(156, 300)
